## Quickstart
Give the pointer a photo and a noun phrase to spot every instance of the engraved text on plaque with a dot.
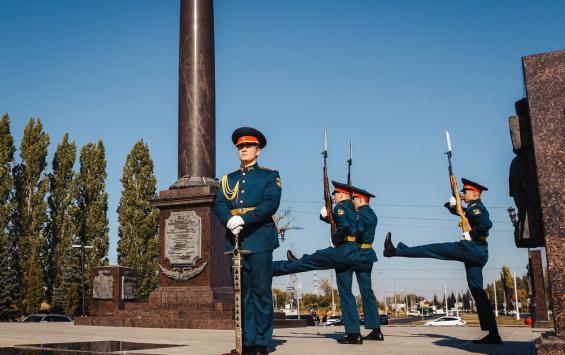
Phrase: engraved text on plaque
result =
(183, 231)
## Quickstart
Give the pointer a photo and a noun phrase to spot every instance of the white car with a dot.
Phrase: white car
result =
(447, 321)
(334, 320)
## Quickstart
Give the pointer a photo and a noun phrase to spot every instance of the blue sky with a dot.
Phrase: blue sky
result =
(390, 77)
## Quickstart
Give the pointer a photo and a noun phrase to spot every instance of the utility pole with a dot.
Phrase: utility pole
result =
(517, 308)
(82, 247)
(395, 305)
(332, 286)
(445, 297)
(495, 300)
(457, 305)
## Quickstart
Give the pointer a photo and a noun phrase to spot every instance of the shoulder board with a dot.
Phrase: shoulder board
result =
(263, 168)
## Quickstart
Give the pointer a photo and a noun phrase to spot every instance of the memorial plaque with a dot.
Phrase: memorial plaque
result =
(183, 232)
(103, 286)
(129, 288)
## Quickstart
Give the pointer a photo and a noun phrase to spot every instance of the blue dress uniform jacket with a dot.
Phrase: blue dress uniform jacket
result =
(254, 194)
(256, 197)
(473, 253)
(344, 255)
(366, 225)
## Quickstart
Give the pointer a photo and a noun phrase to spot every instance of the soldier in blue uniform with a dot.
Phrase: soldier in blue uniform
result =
(366, 224)
(342, 254)
(245, 204)
(472, 250)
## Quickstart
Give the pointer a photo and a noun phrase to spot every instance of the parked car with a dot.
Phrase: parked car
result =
(334, 320)
(46, 318)
(447, 321)
(384, 319)
(414, 313)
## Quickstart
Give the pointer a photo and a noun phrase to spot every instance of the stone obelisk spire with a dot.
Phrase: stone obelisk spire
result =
(197, 126)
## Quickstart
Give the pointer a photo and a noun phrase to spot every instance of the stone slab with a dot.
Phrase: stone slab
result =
(307, 340)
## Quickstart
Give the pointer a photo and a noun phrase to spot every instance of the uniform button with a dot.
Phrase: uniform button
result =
(243, 181)
(242, 191)
(240, 201)
(243, 174)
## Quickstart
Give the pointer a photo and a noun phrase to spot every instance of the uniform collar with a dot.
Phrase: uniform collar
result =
(247, 168)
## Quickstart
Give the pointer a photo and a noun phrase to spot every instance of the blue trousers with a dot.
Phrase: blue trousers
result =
(474, 255)
(329, 258)
(348, 302)
(257, 297)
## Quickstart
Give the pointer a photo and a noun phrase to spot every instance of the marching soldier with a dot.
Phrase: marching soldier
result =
(366, 224)
(248, 199)
(342, 253)
(471, 250)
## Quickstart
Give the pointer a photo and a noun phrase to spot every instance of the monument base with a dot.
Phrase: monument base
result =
(549, 344)
(197, 307)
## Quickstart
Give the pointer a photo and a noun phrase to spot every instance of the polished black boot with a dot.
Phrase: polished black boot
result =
(261, 350)
(375, 334)
(353, 338)
(290, 256)
(491, 338)
(389, 249)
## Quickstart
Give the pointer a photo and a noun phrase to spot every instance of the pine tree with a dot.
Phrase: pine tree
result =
(29, 214)
(93, 207)
(138, 243)
(7, 265)
(61, 227)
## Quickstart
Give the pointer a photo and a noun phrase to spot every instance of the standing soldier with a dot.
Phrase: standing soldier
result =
(366, 224)
(248, 199)
(471, 250)
(342, 254)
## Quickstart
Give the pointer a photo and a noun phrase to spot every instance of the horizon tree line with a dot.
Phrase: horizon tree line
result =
(43, 212)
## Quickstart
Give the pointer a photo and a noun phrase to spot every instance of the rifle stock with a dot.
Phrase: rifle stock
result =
(465, 226)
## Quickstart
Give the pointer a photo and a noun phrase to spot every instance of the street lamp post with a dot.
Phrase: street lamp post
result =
(82, 247)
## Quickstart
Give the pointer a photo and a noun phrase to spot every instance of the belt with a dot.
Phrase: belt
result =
(365, 245)
(240, 211)
(350, 238)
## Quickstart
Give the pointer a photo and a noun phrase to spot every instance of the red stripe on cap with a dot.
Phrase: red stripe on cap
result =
(364, 197)
(247, 139)
(338, 189)
(471, 187)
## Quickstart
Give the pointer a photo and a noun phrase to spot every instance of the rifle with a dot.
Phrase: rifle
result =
(349, 163)
(238, 314)
(464, 224)
(327, 195)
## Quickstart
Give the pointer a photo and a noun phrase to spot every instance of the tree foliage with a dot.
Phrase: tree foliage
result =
(61, 228)
(138, 221)
(7, 262)
(29, 214)
(92, 204)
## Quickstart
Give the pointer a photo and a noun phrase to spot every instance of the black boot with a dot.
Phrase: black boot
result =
(352, 338)
(261, 350)
(389, 249)
(491, 338)
(375, 334)
(290, 256)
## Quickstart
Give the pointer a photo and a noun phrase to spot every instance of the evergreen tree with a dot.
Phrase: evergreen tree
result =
(507, 284)
(29, 214)
(139, 222)
(61, 227)
(92, 205)
(7, 265)
(451, 301)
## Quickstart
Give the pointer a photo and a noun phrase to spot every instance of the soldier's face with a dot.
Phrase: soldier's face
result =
(358, 202)
(470, 195)
(248, 152)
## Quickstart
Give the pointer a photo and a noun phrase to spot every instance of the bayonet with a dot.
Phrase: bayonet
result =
(349, 163)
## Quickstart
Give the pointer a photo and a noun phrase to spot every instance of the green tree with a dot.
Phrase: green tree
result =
(507, 285)
(29, 214)
(61, 227)
(92, 203)
(138, 221)
(7, 264)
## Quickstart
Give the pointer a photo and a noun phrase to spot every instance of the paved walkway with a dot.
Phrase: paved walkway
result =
(308, 340)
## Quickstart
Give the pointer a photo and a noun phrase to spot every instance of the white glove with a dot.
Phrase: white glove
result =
(466, 236)
(452, 201)
(323, 212)
(331, 243)
(234, 222)
(236, 230)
